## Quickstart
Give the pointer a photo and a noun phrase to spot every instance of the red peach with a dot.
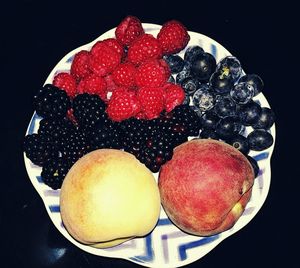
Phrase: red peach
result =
(205, 187)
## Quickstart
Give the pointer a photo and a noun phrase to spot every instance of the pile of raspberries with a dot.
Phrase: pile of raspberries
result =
(128, 72)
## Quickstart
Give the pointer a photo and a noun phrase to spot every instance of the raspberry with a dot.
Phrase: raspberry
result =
(152, 73)
(66, 82)
(128, 30)
(79, 67)
(115, 44)
(123, 104)
(143, 48)
(124, 75)
(103, 59)
(174, 95)
(110, 84)
(152, 101)
(93, 84)
(173, 37)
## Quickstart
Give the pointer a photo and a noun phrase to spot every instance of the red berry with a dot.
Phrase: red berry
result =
(152, 73)
(173, 37)
(80, 67)
(115, 44)
(151, 100)
(128, 30)
(93, 84)
(174, 95)
(143, 48)
(124, 75)
(111, 85)
(103, 59)
(123, 104)
(66, 82)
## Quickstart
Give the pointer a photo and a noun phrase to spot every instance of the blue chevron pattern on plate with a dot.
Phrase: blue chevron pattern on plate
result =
(166, 246)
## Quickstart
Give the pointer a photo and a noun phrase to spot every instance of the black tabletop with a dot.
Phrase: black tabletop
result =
(35, 35)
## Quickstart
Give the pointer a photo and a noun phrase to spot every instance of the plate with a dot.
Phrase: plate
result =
(166, 246)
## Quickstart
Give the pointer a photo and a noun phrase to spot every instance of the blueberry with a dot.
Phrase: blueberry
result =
(239, 142)
(186, 72)
(242, 93)
(249, 113)
(260, 139)
(207, 133)
(225, 106)
(203, 65)
(254, 165)
(190, 85)
(265, 120)
(253, 80)
(203, 98)
(175, 63)
(221, 83)
(230, 66)
(192, 52)
(227, 127)
(209, 120)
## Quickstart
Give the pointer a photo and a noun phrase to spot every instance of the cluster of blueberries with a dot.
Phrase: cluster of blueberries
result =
(224, 98)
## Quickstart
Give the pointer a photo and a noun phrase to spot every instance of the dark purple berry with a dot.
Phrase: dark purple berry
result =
(253, 80)
(220, 83)
(203, 65)
(265, 120)
(260, 139)
(242, 93)
(249, 113)
(239, 142)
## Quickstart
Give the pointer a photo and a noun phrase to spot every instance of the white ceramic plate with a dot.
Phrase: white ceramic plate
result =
(166, 245)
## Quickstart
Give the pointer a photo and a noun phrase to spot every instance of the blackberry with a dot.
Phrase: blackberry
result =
(157, 151)
(188, 119)
(56, 128)
(88, 110)
(75, 145)
(134, 134)
(54, 172)
(105, 135)
(50, 102)
(39, 148)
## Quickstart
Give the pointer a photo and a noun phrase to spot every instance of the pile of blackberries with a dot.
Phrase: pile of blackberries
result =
(62, 139)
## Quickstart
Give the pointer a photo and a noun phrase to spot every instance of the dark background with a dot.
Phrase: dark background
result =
(35, 35)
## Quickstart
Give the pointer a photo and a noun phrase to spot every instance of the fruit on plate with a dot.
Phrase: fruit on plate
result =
(205, 187)
(109, 197)
(145, 94)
